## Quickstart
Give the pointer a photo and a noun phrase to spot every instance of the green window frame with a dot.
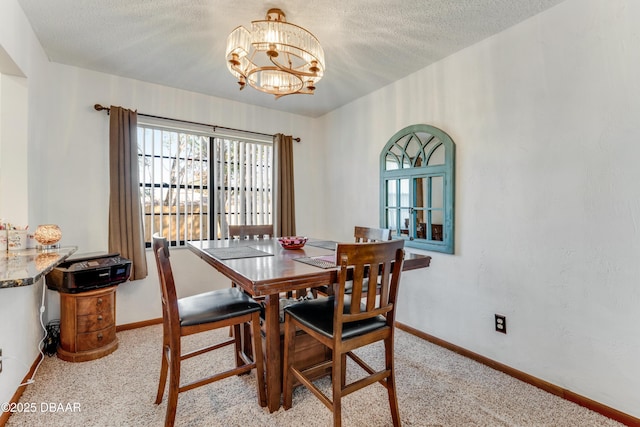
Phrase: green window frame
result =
(417, 177)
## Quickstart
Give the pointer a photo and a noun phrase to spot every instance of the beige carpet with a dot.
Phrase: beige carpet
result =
(436, 387)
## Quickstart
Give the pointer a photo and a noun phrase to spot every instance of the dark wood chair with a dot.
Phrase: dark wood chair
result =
(249, 231)
(366, 234)
(199, 313)
(343, 326)
(361, 235)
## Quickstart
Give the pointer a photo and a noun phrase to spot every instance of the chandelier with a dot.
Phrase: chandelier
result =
(275, 57)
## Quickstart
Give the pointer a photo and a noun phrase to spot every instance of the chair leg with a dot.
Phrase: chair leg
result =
(343, 374)
(247, 346)
(289, 351)
(238, 345)
(164, 367)
(391, 381)
(258, 358)
(233, 285)
(174, 385)
(336, 382)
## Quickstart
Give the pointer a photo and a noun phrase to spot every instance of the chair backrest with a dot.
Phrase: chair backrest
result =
(170, 316)
(248, 231)
(359, 261)
(366, 234)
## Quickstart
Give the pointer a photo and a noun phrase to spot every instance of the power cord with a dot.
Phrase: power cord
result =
(40, 344)
(44, 337)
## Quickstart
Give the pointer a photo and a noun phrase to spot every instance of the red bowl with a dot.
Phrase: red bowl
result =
(293, 242)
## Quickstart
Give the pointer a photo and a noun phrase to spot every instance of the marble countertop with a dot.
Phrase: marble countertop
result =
(26, 267)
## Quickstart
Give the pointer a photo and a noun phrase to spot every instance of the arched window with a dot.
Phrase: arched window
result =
(417, 187)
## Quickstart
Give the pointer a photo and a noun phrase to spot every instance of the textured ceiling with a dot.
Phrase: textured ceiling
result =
(181, 43)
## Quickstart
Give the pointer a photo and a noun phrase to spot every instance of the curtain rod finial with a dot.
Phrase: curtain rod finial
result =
(99, 107)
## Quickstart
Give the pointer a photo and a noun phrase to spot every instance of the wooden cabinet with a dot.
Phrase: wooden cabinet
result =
(309, 352)
(87, 325)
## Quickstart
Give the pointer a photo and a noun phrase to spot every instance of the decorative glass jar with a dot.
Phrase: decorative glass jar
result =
(48, 236)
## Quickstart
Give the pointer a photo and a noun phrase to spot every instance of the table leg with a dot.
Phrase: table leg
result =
(272, 352)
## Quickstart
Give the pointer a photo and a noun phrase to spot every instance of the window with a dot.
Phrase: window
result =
(417, 187)
(194, 183)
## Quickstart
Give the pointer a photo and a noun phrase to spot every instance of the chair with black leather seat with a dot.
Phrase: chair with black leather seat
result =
(367, 234)
(361, 235)
(249, 231)
(199, 313)
(343, 326)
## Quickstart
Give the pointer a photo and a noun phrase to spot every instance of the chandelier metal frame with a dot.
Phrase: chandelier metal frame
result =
(276, 57)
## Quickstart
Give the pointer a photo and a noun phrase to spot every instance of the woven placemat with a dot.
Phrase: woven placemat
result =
(322, 262)
(237, 252)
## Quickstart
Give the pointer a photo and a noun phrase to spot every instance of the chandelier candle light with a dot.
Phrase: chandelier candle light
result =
(275, 57)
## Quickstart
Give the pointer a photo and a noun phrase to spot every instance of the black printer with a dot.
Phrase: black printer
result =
(89, 271)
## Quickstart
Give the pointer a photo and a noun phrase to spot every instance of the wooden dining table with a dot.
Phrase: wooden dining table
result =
(262, 268)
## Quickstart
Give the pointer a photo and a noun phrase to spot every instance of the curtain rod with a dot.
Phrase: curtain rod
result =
(99, 107)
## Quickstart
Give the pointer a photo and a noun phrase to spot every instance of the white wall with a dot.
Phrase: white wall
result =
(544, 116)
(14, 176)
(545, 119)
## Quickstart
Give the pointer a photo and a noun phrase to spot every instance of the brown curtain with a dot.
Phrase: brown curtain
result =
(126, 232)
(284, 206)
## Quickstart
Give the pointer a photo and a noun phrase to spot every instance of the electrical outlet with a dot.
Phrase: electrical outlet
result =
(501, 323)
